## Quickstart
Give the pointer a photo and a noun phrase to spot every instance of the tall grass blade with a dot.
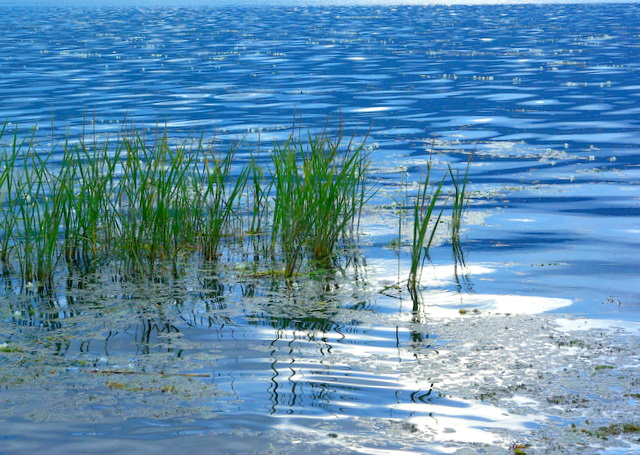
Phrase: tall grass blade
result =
(425, 225)
(460, 200)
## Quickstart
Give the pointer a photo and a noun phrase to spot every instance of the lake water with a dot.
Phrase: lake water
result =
(547, 100)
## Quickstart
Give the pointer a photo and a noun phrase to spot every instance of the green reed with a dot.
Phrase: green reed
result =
(87, 186)
(426, 219)
(259, 191)
(30, 220)
(8, 221)
(149, 201)
(460, 199)
(459, 206)
(221, 199)
(320, 189)
(173, 201)
(140, 202)
(150, 205)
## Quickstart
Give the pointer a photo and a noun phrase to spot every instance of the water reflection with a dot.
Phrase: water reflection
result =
(318, 349)
(461, 272)
(235, 344)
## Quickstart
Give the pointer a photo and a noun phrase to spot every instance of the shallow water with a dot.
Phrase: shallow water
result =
(546, 98)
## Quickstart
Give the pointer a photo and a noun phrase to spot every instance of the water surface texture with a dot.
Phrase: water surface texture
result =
(547, 100)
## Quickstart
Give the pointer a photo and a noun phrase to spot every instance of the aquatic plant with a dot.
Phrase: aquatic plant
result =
(149, 205)
(425, 225)
(460, 200)
(142, 202)
(459, 206)
(258, 197)
(153, 202)
(146, 202)
(30, 225)
(219, 198)
(320, 189)
(84, 194)
(8, 221)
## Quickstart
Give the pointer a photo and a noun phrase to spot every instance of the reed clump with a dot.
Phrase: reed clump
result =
(141, 203)
(426, 219)
(150, 205)
(427, 209)
(320, 189)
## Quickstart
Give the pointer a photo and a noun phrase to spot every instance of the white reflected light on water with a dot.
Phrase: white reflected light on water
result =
(439, 301)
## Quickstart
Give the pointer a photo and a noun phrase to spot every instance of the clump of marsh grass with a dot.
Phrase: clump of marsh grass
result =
(141, 202)
(30, 222)
(220, 199)
(259, 190)
(151, 206)
(83, 195)
(9, 219)
(173, 201)
(320, 189)
(152, 221)
(428, 208)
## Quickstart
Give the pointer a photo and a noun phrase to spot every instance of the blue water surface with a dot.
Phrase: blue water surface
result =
(545, 96)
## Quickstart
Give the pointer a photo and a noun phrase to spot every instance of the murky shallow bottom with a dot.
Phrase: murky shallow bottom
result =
(529, 384)
(260, 375)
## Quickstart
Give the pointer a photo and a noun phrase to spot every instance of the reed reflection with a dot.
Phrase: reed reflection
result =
(314, 347)
(324, 361)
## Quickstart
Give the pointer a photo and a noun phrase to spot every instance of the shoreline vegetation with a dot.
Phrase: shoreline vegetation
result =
(149, 206)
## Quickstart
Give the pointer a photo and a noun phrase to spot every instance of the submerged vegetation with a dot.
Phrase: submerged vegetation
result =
(150, 206)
